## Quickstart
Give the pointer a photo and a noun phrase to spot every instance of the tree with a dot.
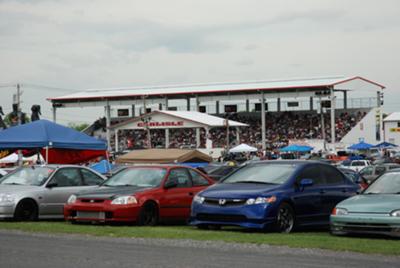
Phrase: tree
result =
(78, 127)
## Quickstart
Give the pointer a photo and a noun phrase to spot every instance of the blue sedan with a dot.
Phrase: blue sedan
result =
(278, 194)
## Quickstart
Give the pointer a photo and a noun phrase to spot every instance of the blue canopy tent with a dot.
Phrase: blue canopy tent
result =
(384, 145)
(360, 146)
(102, 167)
(66, 144)
(296, 148)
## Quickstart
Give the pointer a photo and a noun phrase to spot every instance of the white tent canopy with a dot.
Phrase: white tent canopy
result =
(243, 148)
(13, 159)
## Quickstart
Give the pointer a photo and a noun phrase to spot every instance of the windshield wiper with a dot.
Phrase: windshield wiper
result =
(12, 183)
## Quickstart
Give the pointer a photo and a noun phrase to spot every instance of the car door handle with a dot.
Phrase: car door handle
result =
(191, 194)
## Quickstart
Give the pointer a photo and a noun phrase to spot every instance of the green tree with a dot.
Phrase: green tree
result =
(78, 127)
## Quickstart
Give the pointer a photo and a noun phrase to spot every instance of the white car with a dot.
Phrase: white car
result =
(357, 165)
(2, 173)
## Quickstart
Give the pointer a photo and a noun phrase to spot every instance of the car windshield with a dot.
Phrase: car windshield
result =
(28, 176)
(141, 177)
(262, 173)
(388, 183)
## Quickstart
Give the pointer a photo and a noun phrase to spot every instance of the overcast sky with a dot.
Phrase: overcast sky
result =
(72, 45)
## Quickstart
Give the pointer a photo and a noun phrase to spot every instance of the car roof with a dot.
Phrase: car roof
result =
(290, 162)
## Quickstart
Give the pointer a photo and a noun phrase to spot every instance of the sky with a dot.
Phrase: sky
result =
(56, 47)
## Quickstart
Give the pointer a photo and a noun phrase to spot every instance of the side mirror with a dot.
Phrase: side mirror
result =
(171, 183)
(52, 184)
(306, 182)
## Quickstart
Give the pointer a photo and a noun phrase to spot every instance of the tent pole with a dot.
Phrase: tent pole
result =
(47, 155)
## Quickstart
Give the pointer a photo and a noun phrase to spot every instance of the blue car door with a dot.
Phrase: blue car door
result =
(308, 200)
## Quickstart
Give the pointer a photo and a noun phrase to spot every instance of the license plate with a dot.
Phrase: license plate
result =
(90, 215)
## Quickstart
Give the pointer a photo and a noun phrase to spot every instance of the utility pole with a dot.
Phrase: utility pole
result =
(19, 113)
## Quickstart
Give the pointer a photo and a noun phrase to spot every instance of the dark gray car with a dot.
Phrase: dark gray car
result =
(40, 192)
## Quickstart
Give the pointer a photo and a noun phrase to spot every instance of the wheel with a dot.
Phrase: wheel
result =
(285, 221)
(26, 210)
(203, 227)
(148, 215)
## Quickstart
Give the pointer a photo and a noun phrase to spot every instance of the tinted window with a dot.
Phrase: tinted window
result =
(380, 170)
(67, 177)
(358, 163)
(262, 173)
(198, 179)
(89, 178)
(311, 172)
(28, 176)
(331, 175)
(388, 183)
(181, 176)
(141, 177)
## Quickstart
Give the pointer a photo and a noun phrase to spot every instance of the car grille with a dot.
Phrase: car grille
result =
(376, 227)
(221, 217)
(228, 202)
(89, 200)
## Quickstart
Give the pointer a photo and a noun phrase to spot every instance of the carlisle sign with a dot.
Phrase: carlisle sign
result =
(161, 124)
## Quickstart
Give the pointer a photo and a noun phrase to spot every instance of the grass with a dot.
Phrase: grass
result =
(321, 240)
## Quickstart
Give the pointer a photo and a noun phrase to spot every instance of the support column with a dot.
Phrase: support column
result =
(217, 107)
(108, 124)
(311, 103)
(237, 136)
(133, 110)
(247, 105)
(160, 106)
(54, 114)
(278, 104)
(345, 99)
(207, 139)
(166, 103)
(116, 141)
(380, 116)
(198, 137)
(144, 105)
(166, 138)
(333, 130)
(188, 104)
(263, 125)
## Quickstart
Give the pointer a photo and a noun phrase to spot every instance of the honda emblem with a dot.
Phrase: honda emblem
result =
(222, 202)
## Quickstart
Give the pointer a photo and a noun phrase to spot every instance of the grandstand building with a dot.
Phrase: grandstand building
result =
(336, 110)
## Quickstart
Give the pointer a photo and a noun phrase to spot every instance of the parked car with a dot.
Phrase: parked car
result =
(39, 192)
(2, 173)
(370, 173)
(216, 171)
(375, 211)
(356, 165)
(280, 194)
(355, 177)
(141, 194)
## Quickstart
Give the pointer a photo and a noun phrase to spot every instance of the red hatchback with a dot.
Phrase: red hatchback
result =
(141, 194)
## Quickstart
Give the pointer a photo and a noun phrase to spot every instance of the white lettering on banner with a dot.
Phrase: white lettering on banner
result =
(160, 124)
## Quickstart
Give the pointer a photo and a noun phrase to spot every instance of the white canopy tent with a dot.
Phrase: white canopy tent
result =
(13, 159)
(176, 120)
(243, 148)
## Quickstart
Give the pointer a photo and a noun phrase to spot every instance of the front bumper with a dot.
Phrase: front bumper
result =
(379, 224)
(110, 213)
(248, 216)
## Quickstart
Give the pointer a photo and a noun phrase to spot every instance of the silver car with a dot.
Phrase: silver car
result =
(40, 192)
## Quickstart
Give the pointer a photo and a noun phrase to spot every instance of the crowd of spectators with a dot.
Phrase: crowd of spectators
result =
(280, 128)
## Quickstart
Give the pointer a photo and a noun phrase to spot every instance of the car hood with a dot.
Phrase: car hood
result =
(106, 192)
(238, 190)
(9, 189)
(374, 203)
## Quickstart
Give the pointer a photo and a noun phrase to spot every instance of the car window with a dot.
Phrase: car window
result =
(380, 170)
(67, 177)
(366, 171)
(358, 163)
(332, 175)
(181, 176)
(393, 167)
(197, 178)
(311, 172)
(89, 178)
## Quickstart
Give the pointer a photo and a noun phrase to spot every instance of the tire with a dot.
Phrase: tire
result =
(285, 220)
(148, 215)
(26, 210)
(202, 227)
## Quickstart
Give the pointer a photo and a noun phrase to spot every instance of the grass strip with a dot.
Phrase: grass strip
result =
(321, 240)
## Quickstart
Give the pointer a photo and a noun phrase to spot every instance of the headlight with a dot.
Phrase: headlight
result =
(198, 199)
(124, 200)
(7, 199)
(395, 213)
(340, 211)
(71, 199)
(261, 200)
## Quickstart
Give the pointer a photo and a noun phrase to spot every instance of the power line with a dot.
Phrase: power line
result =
(51, 88)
